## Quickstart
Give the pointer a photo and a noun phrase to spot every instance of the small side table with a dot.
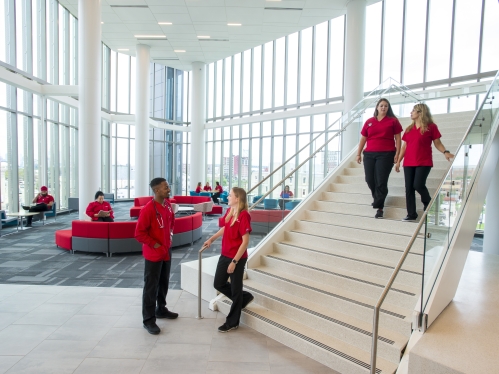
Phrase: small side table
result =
(20, 216)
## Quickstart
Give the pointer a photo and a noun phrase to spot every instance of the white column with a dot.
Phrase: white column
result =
(198, 113)
(491, 234)
(354, 66)
(142, 121)
(89, 113)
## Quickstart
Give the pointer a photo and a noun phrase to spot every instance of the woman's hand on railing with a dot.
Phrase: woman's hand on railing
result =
(448, 156)
(207, 243)
(359, 159)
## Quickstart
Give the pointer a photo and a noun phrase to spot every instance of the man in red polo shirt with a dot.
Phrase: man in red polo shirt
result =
(43, 202)
(155, 230)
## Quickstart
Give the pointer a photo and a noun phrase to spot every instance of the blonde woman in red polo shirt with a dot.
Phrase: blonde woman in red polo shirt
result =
(382, 135)
(235, 239)
(418, 159)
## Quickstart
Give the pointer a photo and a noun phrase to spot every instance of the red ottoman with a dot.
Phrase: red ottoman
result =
(63, 239)
(217, 209)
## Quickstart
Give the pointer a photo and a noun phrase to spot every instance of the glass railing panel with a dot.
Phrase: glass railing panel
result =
(451, 198)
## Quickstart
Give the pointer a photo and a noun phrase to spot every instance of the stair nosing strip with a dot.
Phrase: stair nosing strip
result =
(348, 258)
(364, 216)
(329, 293)
(323, 316)
(306, 338)
(340, 275)
(347, 241)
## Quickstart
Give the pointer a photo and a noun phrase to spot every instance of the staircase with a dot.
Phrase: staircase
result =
(316, 291)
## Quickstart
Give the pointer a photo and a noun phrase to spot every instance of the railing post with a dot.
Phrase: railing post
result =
(374, 346)
(200, 274)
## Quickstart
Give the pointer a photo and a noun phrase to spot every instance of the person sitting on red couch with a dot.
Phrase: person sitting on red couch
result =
(43, 202)
(100, 210)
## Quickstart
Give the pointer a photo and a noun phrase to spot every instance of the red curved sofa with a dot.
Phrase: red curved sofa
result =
(140, 202)
(119, 237)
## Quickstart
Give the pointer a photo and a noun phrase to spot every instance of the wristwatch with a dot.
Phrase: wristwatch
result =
(446, 151)
(234, 261)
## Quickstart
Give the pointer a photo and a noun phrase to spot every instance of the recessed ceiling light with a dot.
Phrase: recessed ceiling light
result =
(123, 49)
(102, 22)
(234, 24)
(179, 50)
(203, 36)
(165, 23)
(150, 36)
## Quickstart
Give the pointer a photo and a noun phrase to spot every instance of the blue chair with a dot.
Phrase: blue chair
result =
(256, 198)
(205, 194)
(109, 197)
(7, 221)
(270, 204)
(49, 213)
(193, 193)
(224, 197)
(291, 204)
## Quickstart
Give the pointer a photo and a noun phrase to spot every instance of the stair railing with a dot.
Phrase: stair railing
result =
(478, 132)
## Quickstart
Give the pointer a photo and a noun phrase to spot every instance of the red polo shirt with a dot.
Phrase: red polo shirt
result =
(207, 188)
(418, 150)
(233, 235)
(47, 199)
(380, 134)
(219, 188)
(198, 189)
(95, 207)
(155, 225)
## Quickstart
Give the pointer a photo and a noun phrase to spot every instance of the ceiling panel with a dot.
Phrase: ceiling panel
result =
(192, 18)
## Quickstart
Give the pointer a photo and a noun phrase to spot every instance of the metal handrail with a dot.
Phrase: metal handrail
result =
(376, 93)
(200, 262)
(377, 307)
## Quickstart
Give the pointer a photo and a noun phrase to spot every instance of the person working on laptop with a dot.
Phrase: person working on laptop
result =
(43, 202)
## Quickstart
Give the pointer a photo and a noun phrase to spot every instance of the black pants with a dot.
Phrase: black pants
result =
(105, 219)
(215, 197)
(156, 278)
(37, 208)
(377, 167)
(415, 180)
(234, 289)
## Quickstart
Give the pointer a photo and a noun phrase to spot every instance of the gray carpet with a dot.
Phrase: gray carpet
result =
(31, 257)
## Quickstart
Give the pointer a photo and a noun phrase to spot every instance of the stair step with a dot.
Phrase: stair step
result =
(368, 223)
(366, 199)
(401, 295)
(361, 210)
(335, 324)
(355, 235)
(327, 350)
(395, 180)
(392, 316)
(363, 189)
(355, 265)
(355, 251)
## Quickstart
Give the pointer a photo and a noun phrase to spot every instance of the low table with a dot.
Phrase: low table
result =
(20, 216)
(185, 209)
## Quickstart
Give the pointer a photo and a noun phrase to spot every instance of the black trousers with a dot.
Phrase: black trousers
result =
(105, 219)
(215, 197)
(415, 180)
(377, 168)
(37, 208)
(156, 278)
(234, 289)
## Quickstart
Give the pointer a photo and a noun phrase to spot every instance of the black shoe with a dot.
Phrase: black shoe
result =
(25, 207)
(251, 298)
(152, 328)
(410, 218)
(165, 313)
(226, 328)
(379, 214)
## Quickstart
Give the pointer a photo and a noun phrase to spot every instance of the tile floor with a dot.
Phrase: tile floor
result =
(57, 329)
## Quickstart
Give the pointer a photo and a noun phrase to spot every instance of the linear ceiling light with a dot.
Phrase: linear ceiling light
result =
(129, 6)
(150, 36)
(123, 49)
(167, 59)
(234, 24)
(179, 50)
(278, 8)
(213, 40)
(165, 23)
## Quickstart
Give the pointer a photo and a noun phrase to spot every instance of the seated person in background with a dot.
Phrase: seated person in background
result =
(215, 196)
(100, 210)
(207, 187)
(286, 193)
(198, 188)
(43, 202)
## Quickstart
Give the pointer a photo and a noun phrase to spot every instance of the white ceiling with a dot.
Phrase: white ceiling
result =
(193, 18)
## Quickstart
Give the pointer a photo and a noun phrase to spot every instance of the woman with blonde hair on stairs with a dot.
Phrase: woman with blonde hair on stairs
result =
(235, 239)
(417, 155)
